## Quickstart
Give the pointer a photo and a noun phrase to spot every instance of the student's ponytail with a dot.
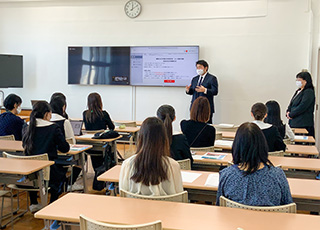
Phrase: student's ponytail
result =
(39, 111)
(167, 114)
(168, 125)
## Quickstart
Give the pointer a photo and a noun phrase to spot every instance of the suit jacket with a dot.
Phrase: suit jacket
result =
(211, 83)
(301, 109)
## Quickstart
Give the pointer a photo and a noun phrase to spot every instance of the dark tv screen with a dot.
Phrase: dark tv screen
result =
(11, 71)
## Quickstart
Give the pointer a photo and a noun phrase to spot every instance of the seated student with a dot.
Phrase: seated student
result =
(273, 118)
(58, 105)
(253, 180)
(42, 136)
(63, 97)
(197, 131)
(10, 123)
(179, 147)
(274, 140)
(96, 119)
(150, 171)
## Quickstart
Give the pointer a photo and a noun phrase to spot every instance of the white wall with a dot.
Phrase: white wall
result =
(254, 58)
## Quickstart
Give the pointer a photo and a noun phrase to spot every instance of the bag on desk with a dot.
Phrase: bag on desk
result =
(106, 135)
(109, 162)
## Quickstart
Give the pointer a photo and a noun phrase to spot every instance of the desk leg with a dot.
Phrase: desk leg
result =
(43, 190)
(84, 172)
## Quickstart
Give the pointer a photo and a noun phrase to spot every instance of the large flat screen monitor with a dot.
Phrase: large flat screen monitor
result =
(11, 71)
(136, 65)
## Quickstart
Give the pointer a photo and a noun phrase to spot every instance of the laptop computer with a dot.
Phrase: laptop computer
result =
(76, 126)
(33, 102)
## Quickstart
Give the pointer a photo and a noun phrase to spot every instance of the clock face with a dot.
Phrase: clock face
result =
(132, 8)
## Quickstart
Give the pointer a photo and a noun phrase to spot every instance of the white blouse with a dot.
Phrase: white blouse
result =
(170, 186)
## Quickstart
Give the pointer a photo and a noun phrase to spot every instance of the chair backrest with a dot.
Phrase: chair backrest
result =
(7, 137)
(90, 224)
(70, 141)
(288, 208)
(42, 157)
(226, 128)
(276, 153)
(218, 136)
(202, 149)
(179, 197)
(127, 124)
(287, 141)
(185, 164)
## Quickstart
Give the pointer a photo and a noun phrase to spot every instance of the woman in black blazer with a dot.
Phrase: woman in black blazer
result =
(96, 119)
(179, 147)
(42, 136)
(301, 108)
(197, 131)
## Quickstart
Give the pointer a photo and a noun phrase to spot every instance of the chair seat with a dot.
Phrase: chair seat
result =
(31, 189)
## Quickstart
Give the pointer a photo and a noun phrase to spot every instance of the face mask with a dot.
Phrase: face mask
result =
(299, 84)
(199, 71)
(19, 110)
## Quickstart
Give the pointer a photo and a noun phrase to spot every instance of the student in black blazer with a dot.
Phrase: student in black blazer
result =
(197, 131)
(301, 108)
(204, 84)
(42, 136)
(179, 147)
(96, 119)
(271, 133)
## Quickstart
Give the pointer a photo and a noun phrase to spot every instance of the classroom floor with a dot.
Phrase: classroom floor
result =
(28, 222)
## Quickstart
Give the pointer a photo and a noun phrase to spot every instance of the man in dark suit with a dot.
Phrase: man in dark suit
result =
(204, 84)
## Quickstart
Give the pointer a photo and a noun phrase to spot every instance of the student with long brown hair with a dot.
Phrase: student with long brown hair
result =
(150, 171)
(179, 147)
(95, 118)
(197, 131)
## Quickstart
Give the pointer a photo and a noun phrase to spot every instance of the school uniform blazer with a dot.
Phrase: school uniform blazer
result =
(211, 83)
(301, 109)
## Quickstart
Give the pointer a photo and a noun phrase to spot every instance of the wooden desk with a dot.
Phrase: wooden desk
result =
(13, 146)
(307, 150)
(285, 162)
(99, 145)
(308, 140)
(12, 170)
(138, 123)
(231, 136)
(299, 131)
(304, 192)
(173, 215)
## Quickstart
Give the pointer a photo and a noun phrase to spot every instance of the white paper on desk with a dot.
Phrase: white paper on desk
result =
(88, 135)
(223, 143)
(298, 137)
(189, 177)
(212, 180)
(226, 125)
(197, 157)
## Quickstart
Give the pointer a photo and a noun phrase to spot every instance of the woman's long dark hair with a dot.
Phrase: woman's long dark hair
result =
(250, 148)
(166, 113)
(62, 97)
(150, 164)
(305, 75)
(94, 107)
(273, 116)
(57, 104)
(39, 111)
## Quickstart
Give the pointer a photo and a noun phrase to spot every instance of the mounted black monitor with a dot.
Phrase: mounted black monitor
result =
(136, 65)
(11, 71)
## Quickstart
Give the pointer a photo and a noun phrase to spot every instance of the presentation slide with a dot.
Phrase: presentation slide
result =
(163, 65)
